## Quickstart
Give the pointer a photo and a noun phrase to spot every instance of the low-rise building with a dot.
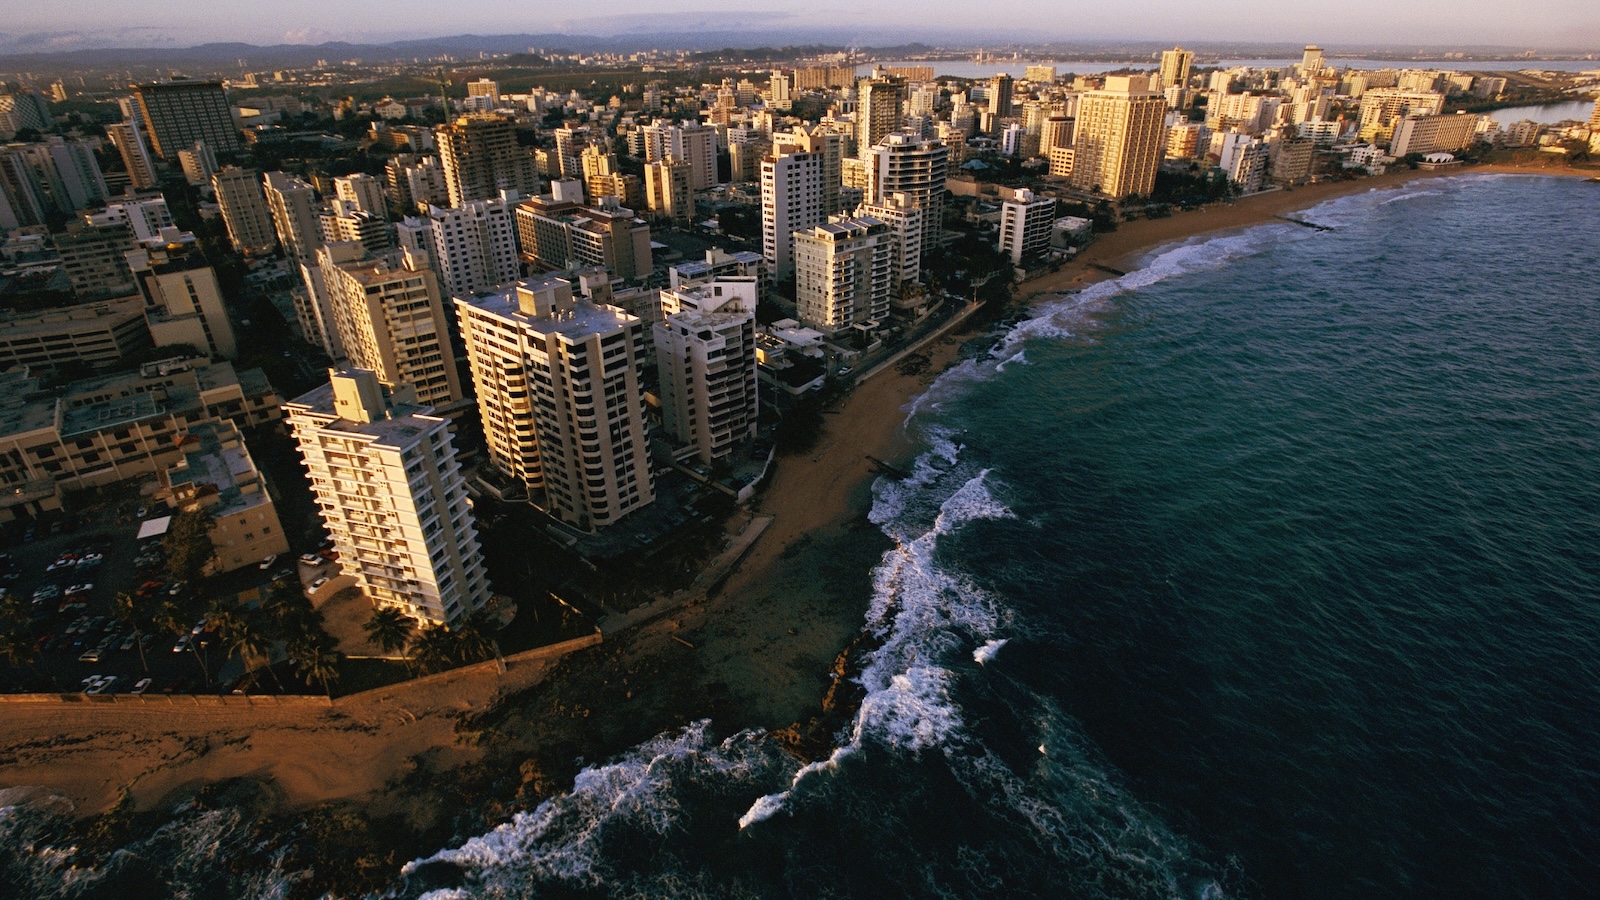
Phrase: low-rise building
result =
(215, 474)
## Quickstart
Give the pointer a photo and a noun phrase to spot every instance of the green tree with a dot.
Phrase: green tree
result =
(434, 648)
(318, 661)
(188, 545)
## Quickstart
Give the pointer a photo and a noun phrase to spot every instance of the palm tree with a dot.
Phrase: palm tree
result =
(434, 648)
(122, 606)
(317, 662)
(390, 630)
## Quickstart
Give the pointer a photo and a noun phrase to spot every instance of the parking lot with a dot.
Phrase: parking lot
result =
(66, 572)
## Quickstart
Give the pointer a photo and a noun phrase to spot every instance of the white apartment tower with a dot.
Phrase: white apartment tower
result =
(481, 159)
(293, 204)
(558, 385)
(364, 192)
(390, 318)
(791, 199)
(473, 248)
(916, 167)
(244, 210)
(391, 493)
(1121, 137)
(1025, 225)
(130, 144)
(694, 144)
(706, 359)
(843, 271)
(905, 220)
(1175, 65)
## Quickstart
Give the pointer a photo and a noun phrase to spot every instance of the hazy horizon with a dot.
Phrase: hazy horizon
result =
(1540, 25)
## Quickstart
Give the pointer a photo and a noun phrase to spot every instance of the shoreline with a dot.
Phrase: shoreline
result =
(757, 652)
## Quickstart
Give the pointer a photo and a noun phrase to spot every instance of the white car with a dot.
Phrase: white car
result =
(142, 686)
(267, 563)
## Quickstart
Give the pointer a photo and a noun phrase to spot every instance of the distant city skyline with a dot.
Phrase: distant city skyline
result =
(1571, 25)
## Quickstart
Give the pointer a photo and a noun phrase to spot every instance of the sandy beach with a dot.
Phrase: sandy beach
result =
(758, 652)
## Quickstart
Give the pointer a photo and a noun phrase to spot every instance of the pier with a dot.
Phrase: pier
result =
(1304, 224)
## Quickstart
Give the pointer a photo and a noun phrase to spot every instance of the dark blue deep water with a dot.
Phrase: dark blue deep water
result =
(1271, 570)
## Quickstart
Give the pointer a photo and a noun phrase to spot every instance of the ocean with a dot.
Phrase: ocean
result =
(1270, 570)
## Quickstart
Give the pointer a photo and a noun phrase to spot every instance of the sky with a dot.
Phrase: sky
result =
(1526, 24)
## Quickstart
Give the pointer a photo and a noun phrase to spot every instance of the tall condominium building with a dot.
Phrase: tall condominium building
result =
(183, 301)
(1121, 136)
(293, 204)
(691, 143)
(135, 154)
(364, 191)
(199, 163)
(473, 247)
(343, 221)
(391, 493)
(706, 360)
(244, 210)
(916, 167)
(178, 113)
(880, 103)
(415, 184)
(1311, 61)
(558, 384)
(1025, 225)
(1000, 89)
(843, 269)
(570, 145)
(51, 174)
(391, 319)
(567, 235)
(25, 109)
(905, 220)
(1381, 107)
(1175, 64)
(1254, 113)
(792, 188)
(668, 189)
(481, 158)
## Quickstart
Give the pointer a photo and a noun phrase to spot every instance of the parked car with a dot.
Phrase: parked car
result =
(311, 559)
(316, 585)
(267, 563)
(141, 686)
(182, 644)
(91, 656)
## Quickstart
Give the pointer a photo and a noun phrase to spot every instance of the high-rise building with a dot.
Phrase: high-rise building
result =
(1000, 88)
(391, 319)
(183, 301)
(791, 199)
(392, 495)
(1381, 107)
(198, 163)
(244, 210)
(843, 269)
(145, 216)
(1431, 134)
(1175, 65)
(178, 113)
(916, 167)
(706, 360)
(568, 235)
(68, 172)
(473, 248)
(1025, 225)
(570, 146)
(691, 143)
(293, 204)
(880, 104)
(557, 382)
(342, 221)
(905, 220)
(481, 158)
(22, 110)
(1311, 61)
(364, 191)
(95, 259)
(130, 144)
(1039, 74)
(668, 189)
(1121, 137)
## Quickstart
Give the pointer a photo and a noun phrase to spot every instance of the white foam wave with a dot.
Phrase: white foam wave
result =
(986, 653)
(1020, 357)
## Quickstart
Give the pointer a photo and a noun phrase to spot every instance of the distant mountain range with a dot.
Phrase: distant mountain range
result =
(21, 52)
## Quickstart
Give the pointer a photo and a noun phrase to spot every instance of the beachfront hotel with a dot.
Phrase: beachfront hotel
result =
(392, 495)
(558, 385)
(1121, 136)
